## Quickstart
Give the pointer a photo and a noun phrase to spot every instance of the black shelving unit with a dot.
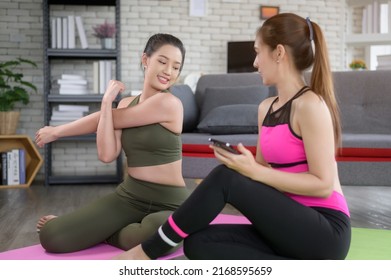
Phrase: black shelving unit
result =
(51, 100)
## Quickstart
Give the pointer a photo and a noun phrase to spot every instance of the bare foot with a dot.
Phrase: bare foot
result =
(43, 221)
(136, 253)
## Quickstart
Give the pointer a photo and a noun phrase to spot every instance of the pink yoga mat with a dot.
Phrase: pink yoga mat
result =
(100, 251)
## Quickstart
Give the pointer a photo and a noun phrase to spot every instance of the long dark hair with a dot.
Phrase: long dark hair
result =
(298, 33)
(160, 39)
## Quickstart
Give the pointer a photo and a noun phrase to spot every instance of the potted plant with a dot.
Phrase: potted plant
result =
(13, 89)
(358, 64)
(105, 32)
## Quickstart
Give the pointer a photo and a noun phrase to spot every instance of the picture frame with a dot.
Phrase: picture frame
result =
(268, 11)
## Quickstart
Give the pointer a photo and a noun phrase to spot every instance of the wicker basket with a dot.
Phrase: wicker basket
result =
(9, 122)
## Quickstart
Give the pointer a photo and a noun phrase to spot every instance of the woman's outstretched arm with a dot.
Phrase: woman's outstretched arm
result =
(82, 126)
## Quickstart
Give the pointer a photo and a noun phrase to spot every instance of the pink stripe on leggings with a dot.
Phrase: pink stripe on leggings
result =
(176, 228)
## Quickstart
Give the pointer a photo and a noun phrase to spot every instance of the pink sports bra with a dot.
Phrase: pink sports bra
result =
(284, 150)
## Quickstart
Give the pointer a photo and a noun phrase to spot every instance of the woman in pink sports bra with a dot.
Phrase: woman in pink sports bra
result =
(290, 191)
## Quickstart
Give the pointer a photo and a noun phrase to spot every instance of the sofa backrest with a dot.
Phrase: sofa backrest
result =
(227, 80)
(364, 98)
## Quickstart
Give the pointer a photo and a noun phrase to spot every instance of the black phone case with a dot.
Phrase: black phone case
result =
(224, 145)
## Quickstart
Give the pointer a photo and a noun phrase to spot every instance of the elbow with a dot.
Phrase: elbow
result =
(326, 192)
(326, 189)
(105, 158)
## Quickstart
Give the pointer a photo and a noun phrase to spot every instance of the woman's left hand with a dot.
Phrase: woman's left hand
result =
(113, 89)
(242, 163)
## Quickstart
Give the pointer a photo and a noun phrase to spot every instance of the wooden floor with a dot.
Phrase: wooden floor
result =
(21, 208)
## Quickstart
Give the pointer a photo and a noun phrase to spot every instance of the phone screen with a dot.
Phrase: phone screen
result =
(224, 145)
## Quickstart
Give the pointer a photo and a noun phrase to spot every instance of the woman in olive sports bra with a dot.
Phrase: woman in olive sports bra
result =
(290, 191)
(147, 128)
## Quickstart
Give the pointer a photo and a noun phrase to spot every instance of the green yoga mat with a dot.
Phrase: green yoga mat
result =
(370, 244)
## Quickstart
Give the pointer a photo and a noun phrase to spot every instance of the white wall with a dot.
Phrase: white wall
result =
(206, 37)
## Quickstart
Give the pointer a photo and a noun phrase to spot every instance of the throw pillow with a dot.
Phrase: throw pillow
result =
(190, 109)
(219, 96)
(231, 119)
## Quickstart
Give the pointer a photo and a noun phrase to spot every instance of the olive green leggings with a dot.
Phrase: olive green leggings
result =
(123, 219)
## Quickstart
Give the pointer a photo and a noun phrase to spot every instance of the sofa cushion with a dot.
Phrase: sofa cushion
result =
(224, 80)
(220, 96)
(231, 119)
(190, 109)
(364, 99)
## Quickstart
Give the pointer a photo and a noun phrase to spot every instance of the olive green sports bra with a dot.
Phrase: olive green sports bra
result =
(151, 144)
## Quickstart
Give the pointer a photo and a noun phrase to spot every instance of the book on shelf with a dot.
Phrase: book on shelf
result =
(66, 113)
(64, 118)
(4, 168)
(56, 113)
(108, 73)
(53, 32)
(62, 32)
(69, 89)
(13, 167)
(68, 77)
(68, 107)
(102, 78)
(383, 67)
(71, 82)
(95, 77)
(71, 32)
(22, 166)
(59, 33)
(383, 62)
(102, 74)
(69, 85)
(81, 32)
(389, 15)
(371, 18)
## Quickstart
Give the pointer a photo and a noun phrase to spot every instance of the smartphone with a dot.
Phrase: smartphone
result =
(224, 145)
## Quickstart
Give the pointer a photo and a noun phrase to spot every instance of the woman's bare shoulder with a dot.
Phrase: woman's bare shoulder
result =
(310, 100)
(266, 103)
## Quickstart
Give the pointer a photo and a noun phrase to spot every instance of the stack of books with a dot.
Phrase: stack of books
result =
(69, 84)
(64, 113)
(13, 167)
(383, 62)
(63, 35)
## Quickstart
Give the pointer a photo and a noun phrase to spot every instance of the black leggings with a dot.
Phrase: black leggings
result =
(281, 227)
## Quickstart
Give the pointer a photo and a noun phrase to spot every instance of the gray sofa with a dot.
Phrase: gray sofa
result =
(224, 106)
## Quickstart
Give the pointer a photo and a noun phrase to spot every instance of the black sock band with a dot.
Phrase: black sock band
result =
(161, 242)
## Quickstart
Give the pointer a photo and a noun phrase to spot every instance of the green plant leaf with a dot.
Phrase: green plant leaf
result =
(23, 60)
(30, 85)
(12, 86)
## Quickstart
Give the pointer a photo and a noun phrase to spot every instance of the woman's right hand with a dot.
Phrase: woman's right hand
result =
(45, 135)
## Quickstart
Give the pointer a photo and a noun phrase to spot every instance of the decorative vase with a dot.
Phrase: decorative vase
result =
(107, 43)
(9, 122)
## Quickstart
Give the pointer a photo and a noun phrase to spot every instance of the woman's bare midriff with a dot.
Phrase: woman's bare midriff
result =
(166, 174)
